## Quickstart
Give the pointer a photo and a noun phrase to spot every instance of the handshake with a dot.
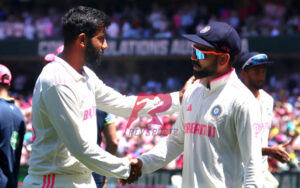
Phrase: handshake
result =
(135, 172)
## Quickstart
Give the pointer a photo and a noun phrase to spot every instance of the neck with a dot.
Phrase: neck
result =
(4, 94)
(255, 92)
(73, 58)
(216, 75)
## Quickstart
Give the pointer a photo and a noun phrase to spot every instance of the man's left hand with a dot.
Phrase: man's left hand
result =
(190, 81)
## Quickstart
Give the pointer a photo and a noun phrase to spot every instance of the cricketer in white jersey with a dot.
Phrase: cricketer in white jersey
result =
(216, 121)
(64, 121)
(216, 133)
(266, 105)
(253, 67)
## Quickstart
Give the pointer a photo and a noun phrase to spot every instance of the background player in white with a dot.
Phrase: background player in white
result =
(66, 95)
(253, 67)
(216, 120)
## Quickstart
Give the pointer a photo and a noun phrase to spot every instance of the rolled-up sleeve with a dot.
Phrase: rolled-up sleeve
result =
(166, 150)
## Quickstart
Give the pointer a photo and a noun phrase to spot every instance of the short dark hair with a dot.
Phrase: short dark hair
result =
(233, 60)
(82, 19)
(2, 84)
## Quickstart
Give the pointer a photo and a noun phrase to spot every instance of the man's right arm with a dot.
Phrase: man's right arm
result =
(166, 150)
(64, 115)
(109, 100)
(159, 156)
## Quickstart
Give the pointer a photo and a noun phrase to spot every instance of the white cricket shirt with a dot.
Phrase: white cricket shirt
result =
(216, 133)
(266, 105)
(64, 121)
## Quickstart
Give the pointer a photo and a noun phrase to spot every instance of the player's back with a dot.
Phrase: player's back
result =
(12, 126)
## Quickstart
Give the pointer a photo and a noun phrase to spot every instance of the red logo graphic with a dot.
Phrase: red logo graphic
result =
(225, 48)
(160, 103)
(189, 108)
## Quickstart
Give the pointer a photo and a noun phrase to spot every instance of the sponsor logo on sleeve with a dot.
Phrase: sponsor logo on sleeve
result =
(14, 140)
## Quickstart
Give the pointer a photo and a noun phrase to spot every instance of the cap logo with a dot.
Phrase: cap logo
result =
(225, 48)
(205, 29)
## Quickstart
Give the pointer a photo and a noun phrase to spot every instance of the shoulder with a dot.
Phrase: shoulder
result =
(92, 77)
(54, 74)
(196, 86)
(10, 110)
(4, 106)
(265, 96)
(192, 90)
(90, 72)
(240, 94)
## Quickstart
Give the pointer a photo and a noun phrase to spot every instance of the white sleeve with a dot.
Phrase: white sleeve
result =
(166, 150)
(246, 117)
(109, 100)
(64, 115)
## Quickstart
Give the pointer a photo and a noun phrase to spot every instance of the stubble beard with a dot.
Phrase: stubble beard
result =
(208, 71)
(93, 56)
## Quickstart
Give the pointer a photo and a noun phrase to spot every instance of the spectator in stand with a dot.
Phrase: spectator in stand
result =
(29, 30)
(251, 18)
(18, 27)
(113, 30)
(40, 28)
(9, 27)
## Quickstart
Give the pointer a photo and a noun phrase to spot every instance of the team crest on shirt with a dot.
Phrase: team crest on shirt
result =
(216, 111)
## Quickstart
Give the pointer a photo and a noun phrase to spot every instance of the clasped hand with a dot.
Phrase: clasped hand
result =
(135, 172)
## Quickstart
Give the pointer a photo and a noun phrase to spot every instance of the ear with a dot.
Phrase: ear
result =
(224, 59)
(82, 39)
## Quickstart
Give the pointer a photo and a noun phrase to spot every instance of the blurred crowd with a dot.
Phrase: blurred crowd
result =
(142, 135)
(132, 19)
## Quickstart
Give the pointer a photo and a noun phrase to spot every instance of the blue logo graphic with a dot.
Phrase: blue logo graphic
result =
(216, 111)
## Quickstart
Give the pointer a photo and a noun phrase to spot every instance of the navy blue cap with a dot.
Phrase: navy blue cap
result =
(251, 59)
(218, 35)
